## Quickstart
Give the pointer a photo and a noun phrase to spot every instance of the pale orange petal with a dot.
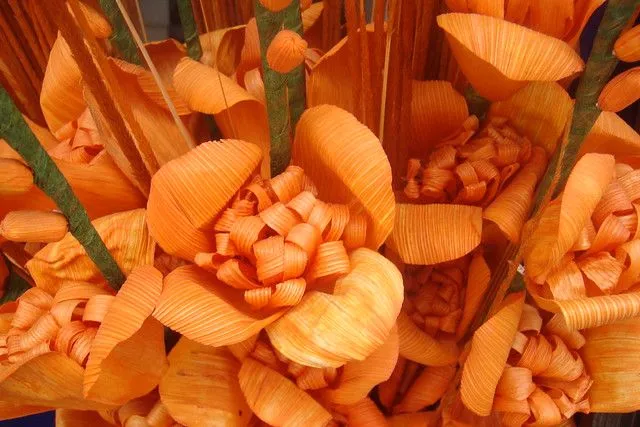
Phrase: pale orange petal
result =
(180, 217)
(538, 111)
(611, 356)
(490, 348)
(627, 47)
(621, 91)
(34, 226)
(477, 284)
(365, 413)
(359, 377)
(200, 307)
(321, 330)
(125, 236)
(238, 114)
(137, 343)
(611, 135)
(420, 347)
(347, 163)
(201, 386)
(437, 111)
(270, 395)
(429, 234)
(499, 57)
(427, 389)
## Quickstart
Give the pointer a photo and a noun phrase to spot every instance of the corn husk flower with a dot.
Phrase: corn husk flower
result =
(521, 369)
(73, 335)
(291, 254)
(623, 89)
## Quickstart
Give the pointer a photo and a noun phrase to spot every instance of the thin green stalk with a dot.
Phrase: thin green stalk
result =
(285, 93)
(597, 73)
(120, 37)
(49, 179)
(190, 29)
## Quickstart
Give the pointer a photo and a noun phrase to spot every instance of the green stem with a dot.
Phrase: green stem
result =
(14, 286)
(285, 93)
(597, 73)
(478, 105)
(50, 180)
(190, 29)
(121, 37)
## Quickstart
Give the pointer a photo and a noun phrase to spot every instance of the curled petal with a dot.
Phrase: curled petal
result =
(477, 284)
(621, 91)
(286, 51)
(490, 348)
(437, 111)
(330, 80)
(270, 395)
(365, 413)
(556, 234)
(347, 163)
(222, 48)
(359, 377)
(416, 419)
(480, 43)
(137, 343)
(321, 330)
(627, 46)
(15, 177)
(429, 234)
(125, 236)
(201, 386)
(203, 309)
(34, 226)
(238, 114)
(177, 216)
(516, 383)
(422, 348)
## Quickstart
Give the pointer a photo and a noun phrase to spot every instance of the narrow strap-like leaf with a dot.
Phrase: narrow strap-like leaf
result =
(49, 179)
(285, 93)
(190, 29)
(121, 37)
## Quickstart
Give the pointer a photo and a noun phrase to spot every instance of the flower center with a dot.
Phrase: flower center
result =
(435, 296)
(277, 238)
(471, 166)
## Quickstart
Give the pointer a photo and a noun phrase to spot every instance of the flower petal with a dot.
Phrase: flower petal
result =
(179, 216)
(222, 48)
(477, 284)
(429, 234)
(627, 47)
(125, 236)
(74, 418)
(61, 97)
(238, 114)
(416, 419)
(556, 234)
(611, 135)
(510, 209)
(621, 91)
(128, 337)
(437, 111)
(499, 57)
(427, 389)
(200, 307)
(326, 330)
(422, 348)
(365, 413)
(330, 79)
(201, 386)
(539, 111)
(346, 162)
(490, 348)
(59, 380)
(612, 356)
(359, 377)
(270, 395)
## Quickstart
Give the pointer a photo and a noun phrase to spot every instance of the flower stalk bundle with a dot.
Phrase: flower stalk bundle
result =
(319, 213)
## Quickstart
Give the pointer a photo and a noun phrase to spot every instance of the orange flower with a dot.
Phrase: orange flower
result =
(521, 371)
(281, 255)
